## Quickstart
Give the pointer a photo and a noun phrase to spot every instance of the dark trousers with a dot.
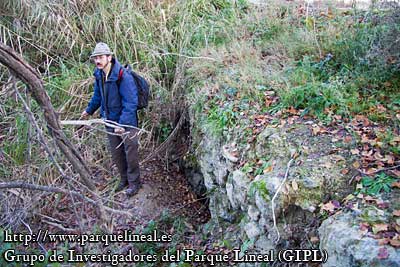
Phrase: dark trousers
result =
(124, 152)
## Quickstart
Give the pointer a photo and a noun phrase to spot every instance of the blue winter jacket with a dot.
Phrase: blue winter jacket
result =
(118, 103)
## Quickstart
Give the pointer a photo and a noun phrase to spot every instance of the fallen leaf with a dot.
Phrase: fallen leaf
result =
(396, 213)
(365, 139)
(369, 198)
(389, 159)
(370, 171)
(395, 173)
(338, 158)
(387, 84)
(316, 130)
(363, 232)
(373, 142)
(356, 164)
(268, 169)
(396, 184)
(378, 156)
(379, 227)
(348, 197)
(367, 153)
(383, 205)
(395, 243)
(295, 155)
(327, 165)
(355, 151)
(330, 207)
(364, 226)
(366, 122)
(292, 110)
(337, 117)
(344, 171)
(16, 192)
(228, 155)
(347, 139)
(270, 92)
(381, 108)
(383, 241)
(285, 190)
(295, 185)
(268, 102)
(383, 253)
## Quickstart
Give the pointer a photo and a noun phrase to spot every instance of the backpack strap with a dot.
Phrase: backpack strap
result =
(121, 72)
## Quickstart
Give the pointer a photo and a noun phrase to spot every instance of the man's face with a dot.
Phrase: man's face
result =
(101, 61)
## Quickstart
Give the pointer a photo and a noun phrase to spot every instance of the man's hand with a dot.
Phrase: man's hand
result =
(79, 129)
(84, 115)
(119, 130)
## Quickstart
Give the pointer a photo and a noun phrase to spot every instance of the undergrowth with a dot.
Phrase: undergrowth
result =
(325, 64)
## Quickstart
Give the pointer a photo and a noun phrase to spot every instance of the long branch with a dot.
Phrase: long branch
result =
(107, 123)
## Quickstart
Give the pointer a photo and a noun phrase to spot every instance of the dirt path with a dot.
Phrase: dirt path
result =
(162, 191)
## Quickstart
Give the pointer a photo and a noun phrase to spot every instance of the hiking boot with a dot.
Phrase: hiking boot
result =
(121, 185)
(132, 190)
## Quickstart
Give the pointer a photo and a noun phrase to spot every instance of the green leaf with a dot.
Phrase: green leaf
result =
(386, 187)
(367, 181)
(375, 189)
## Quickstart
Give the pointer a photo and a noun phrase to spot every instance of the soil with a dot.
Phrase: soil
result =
(162, 191)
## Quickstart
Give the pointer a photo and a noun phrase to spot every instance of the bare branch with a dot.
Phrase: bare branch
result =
(108, 123)
(164, 145)
(275, 195)
(53, 189)
(380, 170)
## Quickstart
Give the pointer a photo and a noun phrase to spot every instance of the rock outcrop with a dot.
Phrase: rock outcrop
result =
(243, 195)
(347, 246)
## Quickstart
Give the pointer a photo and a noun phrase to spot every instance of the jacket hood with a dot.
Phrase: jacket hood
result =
(116, 66)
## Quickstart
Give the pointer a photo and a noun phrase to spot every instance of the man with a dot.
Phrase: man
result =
(118, 99)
